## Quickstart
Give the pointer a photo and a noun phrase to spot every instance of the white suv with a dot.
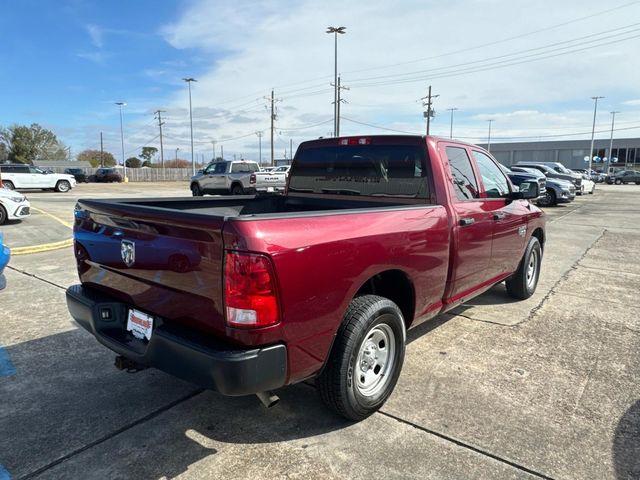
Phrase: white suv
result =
(19, 175)
(13, 206)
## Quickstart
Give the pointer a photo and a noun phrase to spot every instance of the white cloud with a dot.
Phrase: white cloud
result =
(96, 34)
(251, 47)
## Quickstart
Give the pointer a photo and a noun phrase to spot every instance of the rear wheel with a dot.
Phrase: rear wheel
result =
(3, 215)
(618, 181)
(237, 189)
(8, 184)
(523, 283)
(366, 358)
(63, 186)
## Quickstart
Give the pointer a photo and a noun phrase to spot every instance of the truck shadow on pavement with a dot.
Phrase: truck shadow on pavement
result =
(626, 444)
(68, 413)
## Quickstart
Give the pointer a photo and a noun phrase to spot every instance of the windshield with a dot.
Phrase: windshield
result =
(562, 169)
(373, 170)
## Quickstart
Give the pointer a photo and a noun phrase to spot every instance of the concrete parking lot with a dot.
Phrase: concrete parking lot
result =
(544, 388)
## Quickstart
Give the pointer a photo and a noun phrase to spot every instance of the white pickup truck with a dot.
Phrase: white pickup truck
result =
(237, 178)
(22, 176)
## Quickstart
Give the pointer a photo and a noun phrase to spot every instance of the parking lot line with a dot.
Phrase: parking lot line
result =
(6, 369)
(57, 219)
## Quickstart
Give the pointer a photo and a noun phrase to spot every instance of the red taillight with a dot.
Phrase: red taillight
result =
(252, 178)
(250, 291)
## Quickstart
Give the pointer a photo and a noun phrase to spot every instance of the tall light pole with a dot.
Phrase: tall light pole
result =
(335, 31)
(491, 120)
(213, 147)
(259, 134)
(193, 162)
(613, 120)
(177, 156)
(593, 128)
(452, 109)
(124, 163)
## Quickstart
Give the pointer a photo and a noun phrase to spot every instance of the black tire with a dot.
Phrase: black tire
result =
(372, 325)
(3, 215)
(618, 181)
(237, 189)
(549, 199)
(8, 184)
(63, 186)
(196, 191)
(523, 283)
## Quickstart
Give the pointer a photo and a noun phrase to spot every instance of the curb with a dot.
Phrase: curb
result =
(45, 247)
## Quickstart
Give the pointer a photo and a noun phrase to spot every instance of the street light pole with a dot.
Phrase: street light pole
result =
(593, 128)
(193, 162)
(213, 147)
(452, 109)
(259, 147)
(489, 137)
(335, 31)
(613, 120)
(124, 163)
(177, 156)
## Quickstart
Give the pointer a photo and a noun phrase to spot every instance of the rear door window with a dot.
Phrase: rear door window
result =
(464, 180)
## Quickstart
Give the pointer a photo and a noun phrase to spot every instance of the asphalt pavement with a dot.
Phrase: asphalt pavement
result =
(545, 388)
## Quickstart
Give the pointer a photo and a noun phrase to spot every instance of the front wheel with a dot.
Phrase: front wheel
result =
(366, 358)
(196, 191)
(3, 215)
(618, 181)
(8, 184)
(548, 199)
(523, 283)
(63, 186)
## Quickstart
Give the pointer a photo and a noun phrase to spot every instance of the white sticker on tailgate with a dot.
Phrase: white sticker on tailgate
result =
(140, 324)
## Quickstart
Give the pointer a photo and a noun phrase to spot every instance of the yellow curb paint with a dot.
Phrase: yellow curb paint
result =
(45, 247)
(57, 219)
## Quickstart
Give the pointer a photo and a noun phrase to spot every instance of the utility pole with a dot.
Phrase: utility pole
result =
(124, 163)
(335, 31)
(272, 100)
(213, 148)
(339, 100)
(613, 120)
(101, 151)
(593, 128)
(291, 149)
(429, 113)
(491, 120)
(193, 163)
(160, 123)
(177, 156)
(452, 109)
(222, 151)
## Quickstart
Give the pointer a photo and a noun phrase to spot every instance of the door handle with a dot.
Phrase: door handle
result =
(466, 221)
(499, 215)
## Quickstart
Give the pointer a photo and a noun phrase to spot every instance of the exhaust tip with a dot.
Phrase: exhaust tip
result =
(268, 399)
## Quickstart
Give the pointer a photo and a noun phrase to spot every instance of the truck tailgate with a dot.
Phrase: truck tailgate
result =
(169, 266)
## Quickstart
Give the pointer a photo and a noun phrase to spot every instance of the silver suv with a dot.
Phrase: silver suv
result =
(232, 177)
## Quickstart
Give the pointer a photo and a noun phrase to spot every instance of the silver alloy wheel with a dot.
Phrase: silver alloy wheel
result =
(532, 269)
(63, 186)
(375, 360)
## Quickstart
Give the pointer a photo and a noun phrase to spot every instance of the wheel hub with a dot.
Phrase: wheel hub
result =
(375, 360)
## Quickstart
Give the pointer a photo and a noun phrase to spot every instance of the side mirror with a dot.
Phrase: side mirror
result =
(527, 190)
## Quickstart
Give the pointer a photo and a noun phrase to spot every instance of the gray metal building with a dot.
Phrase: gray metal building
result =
(570, 153)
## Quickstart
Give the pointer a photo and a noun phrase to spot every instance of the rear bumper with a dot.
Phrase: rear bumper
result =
(184, 354)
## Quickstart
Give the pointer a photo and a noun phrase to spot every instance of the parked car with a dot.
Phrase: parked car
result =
(5, 255)
(625, 176)
(594, 175)
(555, 170)
(106, 175)
(17, 176)
(375, 235)
(556, 190)
(78, 173)
(232, 177)
(13, 206)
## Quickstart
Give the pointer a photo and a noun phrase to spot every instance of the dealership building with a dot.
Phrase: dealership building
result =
(571, 153)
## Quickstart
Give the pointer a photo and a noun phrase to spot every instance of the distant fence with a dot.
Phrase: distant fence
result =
(146, 174)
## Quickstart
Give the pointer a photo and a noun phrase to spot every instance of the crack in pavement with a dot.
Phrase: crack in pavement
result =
(33, 275)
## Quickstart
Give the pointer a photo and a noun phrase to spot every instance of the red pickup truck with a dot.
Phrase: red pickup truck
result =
(246, 294)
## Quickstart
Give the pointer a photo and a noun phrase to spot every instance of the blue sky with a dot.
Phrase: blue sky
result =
(530, 66)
